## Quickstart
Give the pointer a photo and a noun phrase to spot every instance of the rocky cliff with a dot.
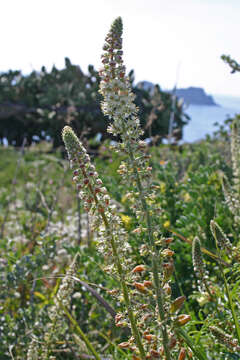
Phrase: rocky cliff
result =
(191, 95)
(195, 96)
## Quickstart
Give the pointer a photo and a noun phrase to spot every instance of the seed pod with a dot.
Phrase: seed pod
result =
(172, 342)
(197, 258)
(100, 209)
(118, 317)
(182, 354)
(139, 268)
(124, 345)
(168, 241)
(149, 337)
(168, 270)
(113, 292)
(122, 324)
(154, 354)
(167, 252)
(140, 287)
(147, 283)
(182, 319)
(177, 303)
(167, 289)
(147, 316)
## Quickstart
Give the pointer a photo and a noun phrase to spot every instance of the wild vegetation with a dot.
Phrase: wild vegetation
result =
(133, 254)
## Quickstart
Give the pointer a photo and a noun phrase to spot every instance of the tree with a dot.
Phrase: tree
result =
(38, 105)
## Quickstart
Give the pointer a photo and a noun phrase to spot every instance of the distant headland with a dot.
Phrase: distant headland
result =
(191, 95)
(195, 96)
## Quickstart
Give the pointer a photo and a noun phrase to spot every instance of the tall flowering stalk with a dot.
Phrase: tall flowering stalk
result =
(235, 146)
(224, 338)
(232, 193)
(149, 311)
(221, 238)
(118, 105)
(112, 237)
(222, 242)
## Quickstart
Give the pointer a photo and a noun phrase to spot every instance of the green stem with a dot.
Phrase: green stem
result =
(131, 316)
(118, 264)
(228, 292)
(81, 333)
(155, 259)
(105, 337)
(230, 302)
(197, 352)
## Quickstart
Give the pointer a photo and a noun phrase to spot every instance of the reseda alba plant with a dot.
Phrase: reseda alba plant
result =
(145, 290)
(223, 295)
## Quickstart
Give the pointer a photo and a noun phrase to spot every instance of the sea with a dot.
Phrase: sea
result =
(204, 117)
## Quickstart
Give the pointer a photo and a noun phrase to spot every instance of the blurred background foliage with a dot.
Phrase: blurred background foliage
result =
(38, 105)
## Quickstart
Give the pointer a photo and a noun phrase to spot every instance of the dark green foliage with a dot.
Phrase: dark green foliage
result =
(37, 106)
(235, 67)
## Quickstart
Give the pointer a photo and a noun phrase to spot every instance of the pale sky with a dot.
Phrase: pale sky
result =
(162, 38)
